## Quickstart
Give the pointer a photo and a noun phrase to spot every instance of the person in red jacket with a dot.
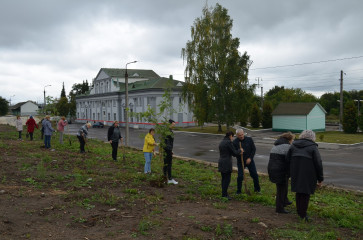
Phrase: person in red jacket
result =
(31, 124)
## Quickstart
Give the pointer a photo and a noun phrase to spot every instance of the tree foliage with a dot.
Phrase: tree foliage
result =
(281, 94)
(255, 116)
(4, 106)
(267, 115)
(350, 124)
(63, 106)
(215, 70)
(77, 89)
(330, 100)
(63, 92)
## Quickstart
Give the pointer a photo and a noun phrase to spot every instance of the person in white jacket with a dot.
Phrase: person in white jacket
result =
(19, 126)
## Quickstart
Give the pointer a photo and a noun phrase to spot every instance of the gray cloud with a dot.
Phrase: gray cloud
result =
(45, 41)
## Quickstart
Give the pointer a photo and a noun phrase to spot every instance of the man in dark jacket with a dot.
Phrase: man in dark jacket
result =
(278, 170)
(306, 170)
(114, 136)
(168, 155)
(249, 150)
(226, 151)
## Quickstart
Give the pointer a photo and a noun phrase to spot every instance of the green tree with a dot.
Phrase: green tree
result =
(77, 89)
(63, 106)
(214, 68)
(350, 124)
(63, 92)
(360, 122)
(4, 106)
(51, 107)
(267, 115)
(255, 116)
(280, 94)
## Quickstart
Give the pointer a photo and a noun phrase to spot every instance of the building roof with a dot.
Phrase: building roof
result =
(18, 105)
(132, 73)
(295, 108)
(155, 83)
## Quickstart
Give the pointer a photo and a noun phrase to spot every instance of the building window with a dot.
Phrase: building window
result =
(78, 115)
(114, 116)
(109, 116)
(94, 116)
(109, 103)
(114, 103)
(98, 116)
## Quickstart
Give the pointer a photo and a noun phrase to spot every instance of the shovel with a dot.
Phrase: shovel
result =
(123, 150)
(247, 191)
(69, 139)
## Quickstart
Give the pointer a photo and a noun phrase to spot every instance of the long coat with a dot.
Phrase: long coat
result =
(31, 125)
(226, 151)
(306, 167)
(278, 166)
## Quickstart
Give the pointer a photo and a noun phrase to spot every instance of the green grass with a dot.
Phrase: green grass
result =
(340, 210)
(339, 137)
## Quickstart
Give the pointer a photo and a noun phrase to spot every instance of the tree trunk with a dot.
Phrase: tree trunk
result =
(219, 127)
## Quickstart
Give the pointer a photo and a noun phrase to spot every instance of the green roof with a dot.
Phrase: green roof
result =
(154, 83)
(295, 108)
(133, 73)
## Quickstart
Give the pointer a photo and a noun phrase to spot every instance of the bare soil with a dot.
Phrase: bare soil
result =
(50, 211)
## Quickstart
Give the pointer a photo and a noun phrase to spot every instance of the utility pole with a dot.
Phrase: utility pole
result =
(261, 97)
(258, 85)
(341, 101)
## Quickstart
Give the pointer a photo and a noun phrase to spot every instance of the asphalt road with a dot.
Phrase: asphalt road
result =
(343, 166)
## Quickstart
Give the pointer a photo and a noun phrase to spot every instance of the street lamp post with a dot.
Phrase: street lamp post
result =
(44, 97)
(127, 104)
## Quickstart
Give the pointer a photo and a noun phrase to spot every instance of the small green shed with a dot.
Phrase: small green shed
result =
(296, 117)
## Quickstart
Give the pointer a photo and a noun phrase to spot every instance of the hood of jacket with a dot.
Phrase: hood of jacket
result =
(302, 143)
(280, 141)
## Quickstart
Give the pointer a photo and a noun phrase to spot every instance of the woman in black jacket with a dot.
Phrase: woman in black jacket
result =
(278, 170)
(306, 170)
(226, 151)
(114, 136)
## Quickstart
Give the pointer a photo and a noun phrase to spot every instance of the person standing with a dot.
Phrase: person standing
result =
(226, 151)
(31, 124)
(82, 136)
(306, 170)
(148, 149)
(249, 150)
(48, 131)
(278, 170)
(42, 129)
(61, 124)
(114, 136)
(19, 126)
(168, 153)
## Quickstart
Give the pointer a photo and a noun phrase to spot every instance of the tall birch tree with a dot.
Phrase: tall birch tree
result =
(215, 70)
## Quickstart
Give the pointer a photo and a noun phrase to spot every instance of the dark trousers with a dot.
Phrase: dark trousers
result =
(47, 141)
(114, 146)
(81, 143)
(19, 134)
(253, 173)
(31, 136)
(281, 196)
(226, 179)
(168, 158)
(302, 203)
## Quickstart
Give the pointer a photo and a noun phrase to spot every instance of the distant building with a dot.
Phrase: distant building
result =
(105, 101)
(296, 117)
(25, 108)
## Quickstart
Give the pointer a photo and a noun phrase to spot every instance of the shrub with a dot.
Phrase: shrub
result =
(255, 116)
(267, 115)
(350, 124)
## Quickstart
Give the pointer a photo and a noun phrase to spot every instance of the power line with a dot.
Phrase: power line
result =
(299, 64)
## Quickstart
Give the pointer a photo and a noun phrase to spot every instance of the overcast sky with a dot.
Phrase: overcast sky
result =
(46, 42)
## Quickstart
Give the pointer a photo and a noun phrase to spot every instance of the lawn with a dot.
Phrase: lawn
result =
(62, 194)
